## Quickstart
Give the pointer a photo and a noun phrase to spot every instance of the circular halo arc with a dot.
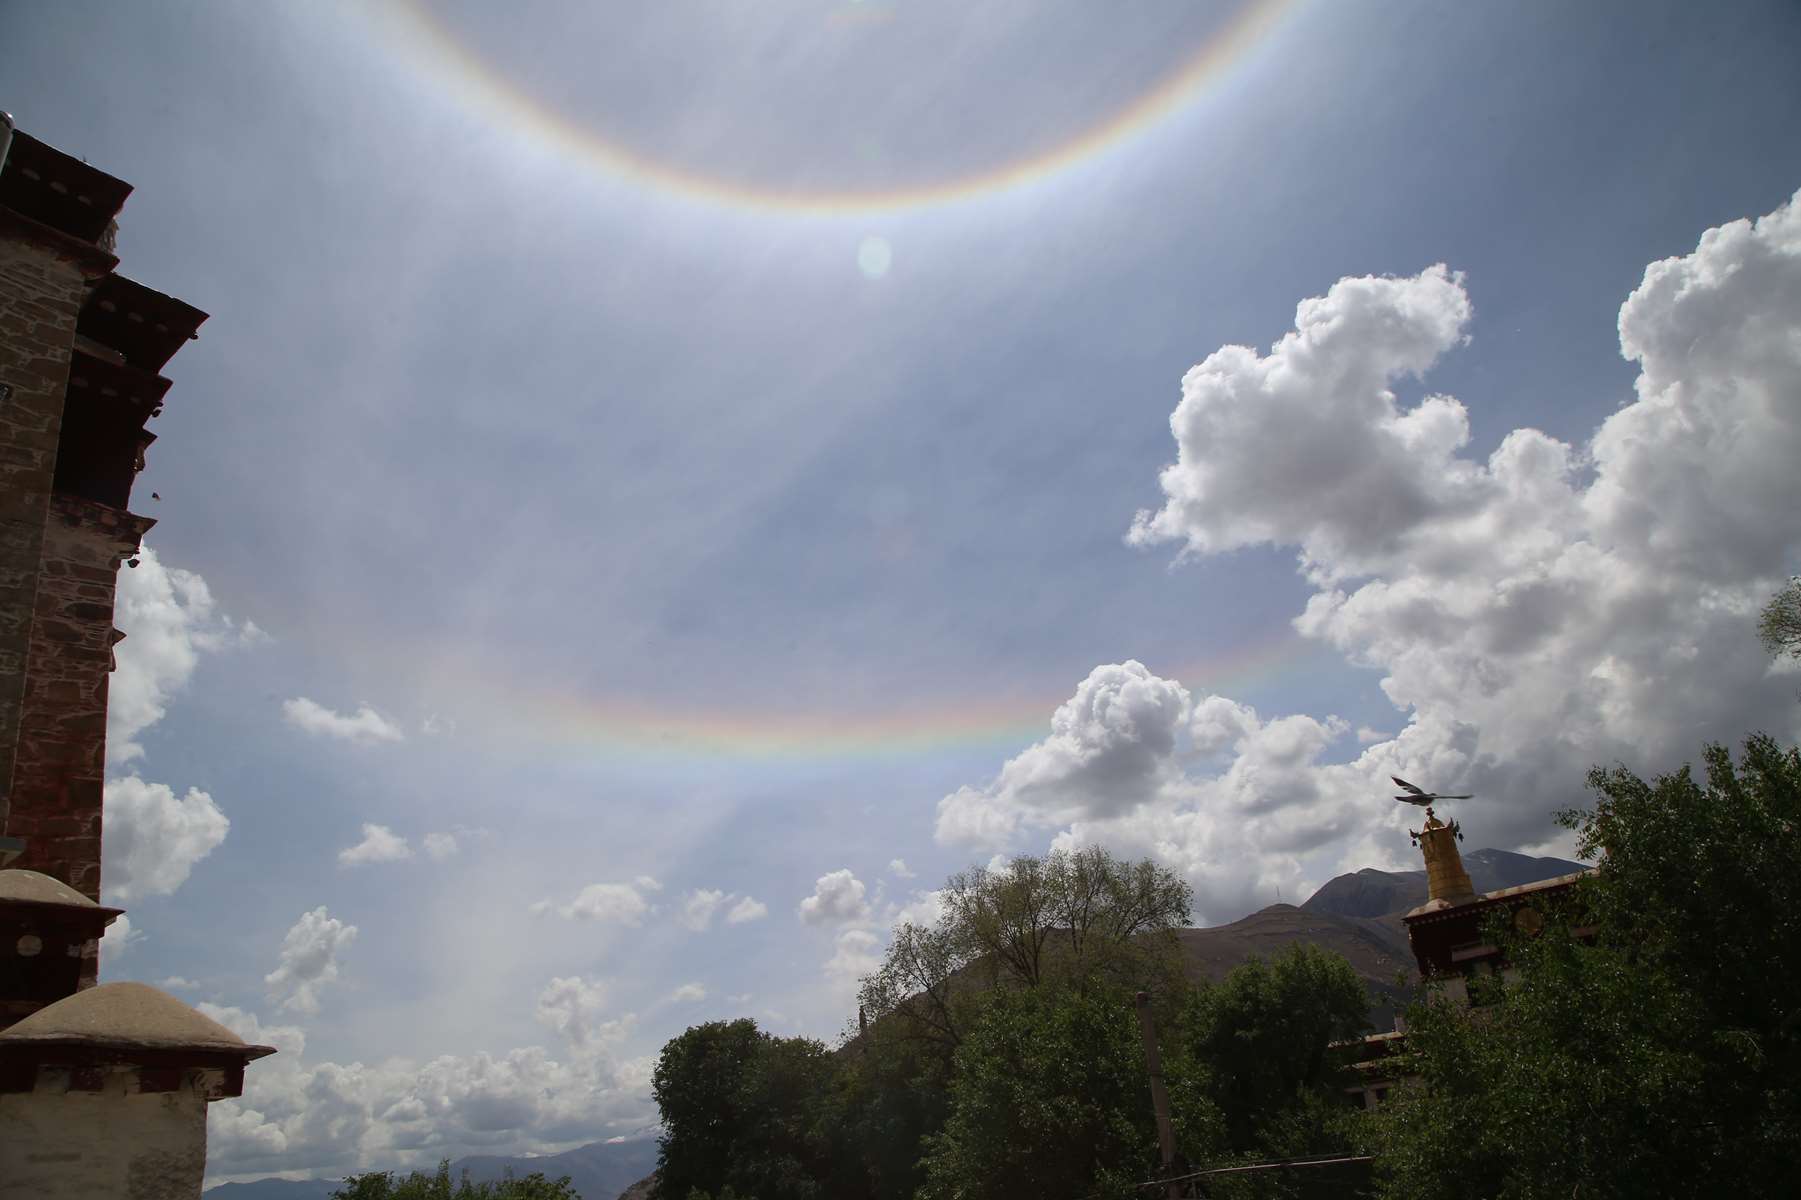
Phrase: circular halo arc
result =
(475, 79)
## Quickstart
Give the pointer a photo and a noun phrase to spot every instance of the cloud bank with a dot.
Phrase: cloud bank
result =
(1547, 608)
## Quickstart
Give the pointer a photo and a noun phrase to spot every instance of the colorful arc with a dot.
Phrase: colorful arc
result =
(475, 81)
(623, 728)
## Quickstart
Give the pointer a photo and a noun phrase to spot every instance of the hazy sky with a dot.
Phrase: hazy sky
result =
(663, 485)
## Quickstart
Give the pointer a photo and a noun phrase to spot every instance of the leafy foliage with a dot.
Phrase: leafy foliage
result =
(1264, 1033)
(743, 1114)
(1779, 626)
(1004, 1055)
(1051, 1099)
(1067, 916)
(1655, 1056)
(420, 1185)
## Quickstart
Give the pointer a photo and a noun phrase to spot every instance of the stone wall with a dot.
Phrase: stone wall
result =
(41, 293)
(96, 1134)
(59, 769)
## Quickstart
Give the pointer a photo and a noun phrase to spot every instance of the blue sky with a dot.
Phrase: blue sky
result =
(661, 550)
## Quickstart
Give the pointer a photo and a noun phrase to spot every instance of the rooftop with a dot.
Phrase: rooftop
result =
(126, 1016)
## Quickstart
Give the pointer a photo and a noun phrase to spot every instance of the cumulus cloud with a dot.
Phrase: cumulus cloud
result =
(688, 993)
(698, 908)
(747, 909)
(331, 1118)
(365, 726)
(621, 903)
(856, 953)
(309, 960)
(177, 982)
(1112, 746)
(117, 939)
(169, 619)
(573, 1007)
(837, 897)
(1531, 613)
(440, 846)
(379, 845)
(154, 838)
(897, 867)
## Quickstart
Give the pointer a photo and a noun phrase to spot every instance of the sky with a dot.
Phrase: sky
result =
(662, 486)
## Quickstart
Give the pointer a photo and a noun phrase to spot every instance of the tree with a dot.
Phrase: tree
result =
(698, 1087)
(1050, 1099)
(1263, 1035)
(1064, 917)
(1655, 1055)
(385, 1185)
(1779, 627)
(743, 1114)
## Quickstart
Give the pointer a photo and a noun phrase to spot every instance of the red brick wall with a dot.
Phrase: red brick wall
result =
(59, 767)
(40, 294)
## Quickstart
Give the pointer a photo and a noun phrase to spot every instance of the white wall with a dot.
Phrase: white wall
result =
(114, 1144)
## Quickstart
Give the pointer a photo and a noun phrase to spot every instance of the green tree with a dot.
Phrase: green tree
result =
(1050, 1099)
(1655, 1055)
(1263, 1036)
(436, 1185)
(1067, 916)
(744, 1114)
(1779, 626)
(698, 1084)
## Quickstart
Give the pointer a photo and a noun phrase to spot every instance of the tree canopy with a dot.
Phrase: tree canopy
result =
(437, 1185)
(1779, 626)
(1067, 916)
(1655, 1054)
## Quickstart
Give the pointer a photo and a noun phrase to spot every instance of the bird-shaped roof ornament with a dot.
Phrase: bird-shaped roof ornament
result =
(1422, 798)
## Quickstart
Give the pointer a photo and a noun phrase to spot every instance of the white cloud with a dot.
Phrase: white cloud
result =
(623, 903)
(1532, 613)
(168, 620)
(117, 940)
(897, 867)
(573, 1006)
(856, 953)
(688, 993)
(1366, 735)
(1307, 447)
(923, 909)
(153, 838)
(309, 960)
(379, 845)
(177, 982)
(1112, 746)
(364, 727)
(837, 897)
(439, 846)
(698, 908)
(330, 1118)
(747, 909)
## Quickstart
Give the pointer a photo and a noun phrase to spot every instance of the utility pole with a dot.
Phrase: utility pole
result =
(1166, 1137)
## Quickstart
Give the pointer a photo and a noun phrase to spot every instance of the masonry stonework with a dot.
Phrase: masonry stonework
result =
(59, 771)
(41, 293)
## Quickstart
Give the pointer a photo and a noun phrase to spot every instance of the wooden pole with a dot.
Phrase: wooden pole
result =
(1166, 1137)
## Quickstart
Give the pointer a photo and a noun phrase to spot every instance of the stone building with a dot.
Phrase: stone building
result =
(103, 1087)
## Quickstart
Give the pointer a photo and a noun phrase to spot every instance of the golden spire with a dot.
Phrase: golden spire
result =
(1445, 877)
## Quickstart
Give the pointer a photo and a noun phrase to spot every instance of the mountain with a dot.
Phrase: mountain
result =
(598, 1171)
(1372, 893)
